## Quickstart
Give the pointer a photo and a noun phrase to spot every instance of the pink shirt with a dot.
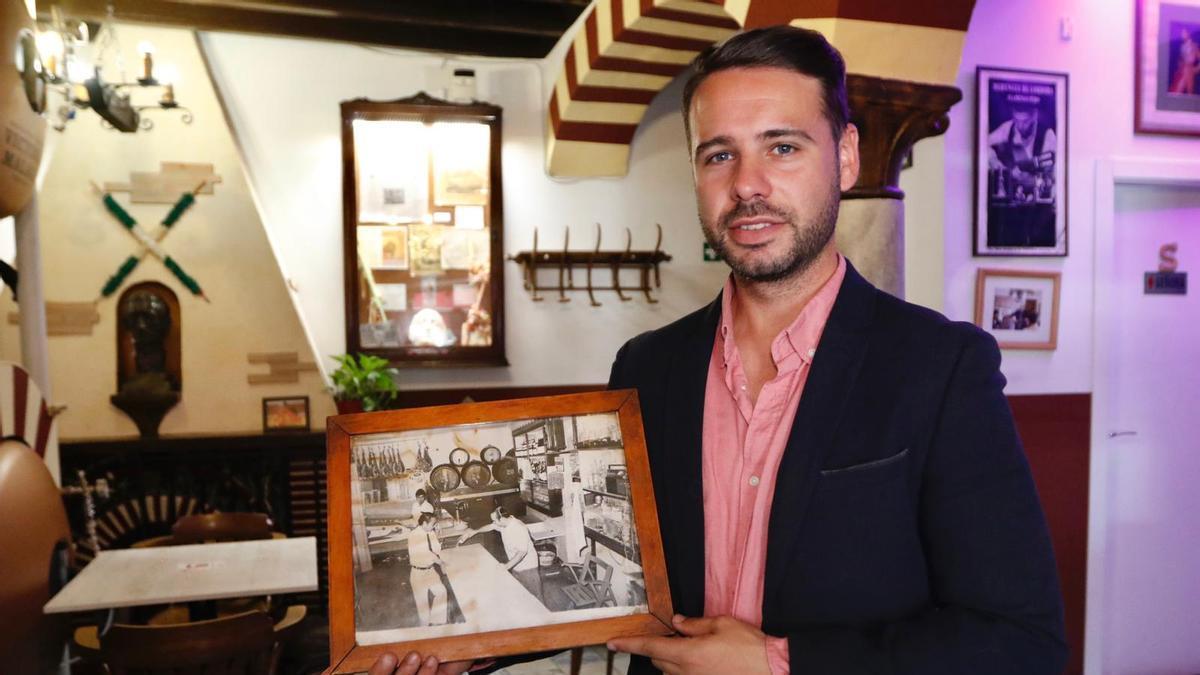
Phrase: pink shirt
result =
(743, 443)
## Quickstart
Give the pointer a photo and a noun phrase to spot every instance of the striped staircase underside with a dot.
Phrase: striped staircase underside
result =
(627, 51)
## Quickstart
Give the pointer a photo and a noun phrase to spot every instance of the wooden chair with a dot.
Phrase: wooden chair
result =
(165, 641)
(244, 644)
(593, 582)
(205, 528)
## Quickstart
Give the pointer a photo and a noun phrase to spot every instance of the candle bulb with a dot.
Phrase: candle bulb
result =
(168, 97)
(147, 51)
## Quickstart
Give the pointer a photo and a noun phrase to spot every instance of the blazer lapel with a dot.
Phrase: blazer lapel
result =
(834, 370)
(683, 428)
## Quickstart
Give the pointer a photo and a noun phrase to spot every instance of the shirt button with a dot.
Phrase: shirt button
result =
(753, 481)
(811, 353)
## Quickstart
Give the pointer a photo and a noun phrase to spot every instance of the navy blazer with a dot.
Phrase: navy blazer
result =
(905, 536)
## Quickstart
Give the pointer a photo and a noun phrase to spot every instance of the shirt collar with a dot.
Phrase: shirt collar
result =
(801, 336)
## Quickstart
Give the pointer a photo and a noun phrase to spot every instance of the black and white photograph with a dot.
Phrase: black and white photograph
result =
(1021, 163)
(483, 527)
(1019, 308)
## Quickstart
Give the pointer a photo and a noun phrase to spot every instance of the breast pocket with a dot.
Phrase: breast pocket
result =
(877, 469)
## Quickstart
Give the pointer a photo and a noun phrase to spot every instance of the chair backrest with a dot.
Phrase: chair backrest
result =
(199, 528)
(241, 644)
(604, 571)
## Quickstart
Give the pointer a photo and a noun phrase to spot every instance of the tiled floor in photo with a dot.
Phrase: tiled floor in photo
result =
(594, 661)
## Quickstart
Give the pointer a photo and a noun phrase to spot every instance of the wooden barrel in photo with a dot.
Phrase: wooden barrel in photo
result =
(476, 474)
(490, 454)
(506, 472)
(444, 478)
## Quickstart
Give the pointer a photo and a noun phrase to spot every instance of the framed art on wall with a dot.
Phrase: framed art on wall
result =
(1167, 67)
(488, 529)
(1019, 308)
(285, 413)
(1020, 163)
(422, 210)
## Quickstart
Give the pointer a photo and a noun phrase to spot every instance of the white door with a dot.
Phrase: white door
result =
(1146, 439)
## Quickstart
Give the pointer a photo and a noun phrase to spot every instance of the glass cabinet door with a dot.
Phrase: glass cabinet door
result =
(423, 231)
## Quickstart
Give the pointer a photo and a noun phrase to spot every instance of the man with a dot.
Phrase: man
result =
(421, 506)
(1022, 145)
(839, 483)
(424, 551)
(522, 559)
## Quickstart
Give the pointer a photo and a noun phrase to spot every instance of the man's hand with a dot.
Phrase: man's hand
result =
(718, 644)
(412, 664)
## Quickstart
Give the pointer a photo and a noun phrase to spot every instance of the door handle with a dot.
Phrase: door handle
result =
(1114, 434)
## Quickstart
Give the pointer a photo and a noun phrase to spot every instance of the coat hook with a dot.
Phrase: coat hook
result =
(564, 267)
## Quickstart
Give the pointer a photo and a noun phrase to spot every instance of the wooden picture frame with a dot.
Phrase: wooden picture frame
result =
(285, 413)
(1167, 67)
(1013, 305)
(1021, 159)
(411, 167)
(575, 464)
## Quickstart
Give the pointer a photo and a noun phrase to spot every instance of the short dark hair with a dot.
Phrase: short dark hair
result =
(797, 49)
(420, 493)
(425, 518)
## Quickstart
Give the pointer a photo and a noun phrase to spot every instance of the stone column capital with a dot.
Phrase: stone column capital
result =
(892, 115)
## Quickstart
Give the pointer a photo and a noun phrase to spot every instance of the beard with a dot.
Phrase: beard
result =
(807, 239)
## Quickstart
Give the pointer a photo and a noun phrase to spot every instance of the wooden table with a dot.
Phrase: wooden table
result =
(151, 576)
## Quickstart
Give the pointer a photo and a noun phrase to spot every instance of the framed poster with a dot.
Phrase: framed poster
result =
(1019, 308)
(1020, 163)
(1167, 67)
(488, 529)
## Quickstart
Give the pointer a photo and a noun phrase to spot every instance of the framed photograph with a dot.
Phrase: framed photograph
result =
(488, 529)
(1019, 308)
(1167, 70)
(392, 187)
(1020, 163)
(461, 166)
(285, 413)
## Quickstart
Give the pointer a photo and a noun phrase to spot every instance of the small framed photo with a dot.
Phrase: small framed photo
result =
(1167, 71)
(1019, 308)
(487, 529)
(1020, 163)
(285, 413)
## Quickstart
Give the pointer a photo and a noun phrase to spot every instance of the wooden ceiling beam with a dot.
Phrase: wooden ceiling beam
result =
(424, 25)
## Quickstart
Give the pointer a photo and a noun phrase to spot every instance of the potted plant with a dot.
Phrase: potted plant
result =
(363, 383)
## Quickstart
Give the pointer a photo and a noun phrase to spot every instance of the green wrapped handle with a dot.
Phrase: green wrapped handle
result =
(118, 278)
(183, 277)
(118, 212)
(184, 203)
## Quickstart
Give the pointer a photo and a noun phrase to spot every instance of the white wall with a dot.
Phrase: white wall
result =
(283, 99)
(1099, 60)
(282, 96)
(219, 241)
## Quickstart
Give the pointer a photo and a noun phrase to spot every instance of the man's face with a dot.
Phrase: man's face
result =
(769, 174)
(1025, 121)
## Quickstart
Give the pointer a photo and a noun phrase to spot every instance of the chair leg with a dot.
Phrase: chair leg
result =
(576, 660)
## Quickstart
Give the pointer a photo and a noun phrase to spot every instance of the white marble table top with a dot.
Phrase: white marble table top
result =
(150, 576)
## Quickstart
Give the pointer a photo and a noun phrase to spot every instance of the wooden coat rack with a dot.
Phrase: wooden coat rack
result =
(566, 260)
